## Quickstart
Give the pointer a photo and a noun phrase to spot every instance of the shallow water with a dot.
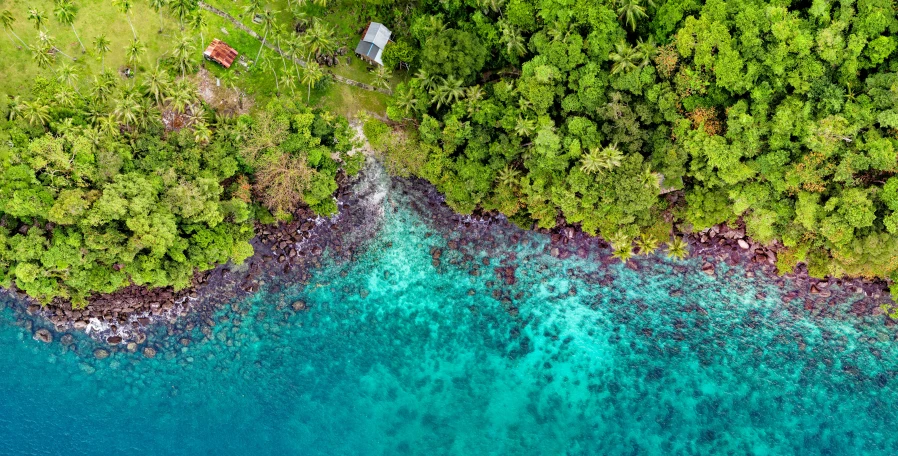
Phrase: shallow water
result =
(397, 356)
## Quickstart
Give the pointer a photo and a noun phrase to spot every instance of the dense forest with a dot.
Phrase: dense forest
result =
(99, 189)
(638, 119)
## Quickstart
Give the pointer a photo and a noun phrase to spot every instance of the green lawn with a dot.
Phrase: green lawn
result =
(95, 17)
(337, 97)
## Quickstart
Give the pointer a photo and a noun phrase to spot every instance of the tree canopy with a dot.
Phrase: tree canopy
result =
(781, 114)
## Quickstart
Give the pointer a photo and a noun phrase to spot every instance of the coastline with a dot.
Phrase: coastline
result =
(286, 254)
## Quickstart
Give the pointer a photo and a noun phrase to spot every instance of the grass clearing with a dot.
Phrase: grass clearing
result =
(95, 17)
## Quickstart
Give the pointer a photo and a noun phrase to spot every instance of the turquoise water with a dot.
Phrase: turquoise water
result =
(398, 356)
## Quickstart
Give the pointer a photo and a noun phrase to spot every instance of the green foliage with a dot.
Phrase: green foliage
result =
(783, 116)
(453, 53)
(85, 214)
(296, 153)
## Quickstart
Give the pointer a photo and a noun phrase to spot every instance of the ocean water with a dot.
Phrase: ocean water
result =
(399, 356)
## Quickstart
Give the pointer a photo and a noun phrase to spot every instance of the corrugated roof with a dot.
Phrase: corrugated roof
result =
(377, 34)
(372, 44)
(219, 51)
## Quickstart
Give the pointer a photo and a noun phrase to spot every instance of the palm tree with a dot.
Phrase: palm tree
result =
(509, 176)
(436, 26)
(109, 125)
(427, 81)
(182, 9)
(42, 54)
(300, 17)
(35, 112)
(101, 45)
(49, 43)
(134, 51)
(16, 107)
(600, 159)
(651, 178)
(319, 38)
(311, 75)
(38, 17)
(67, 74)
(290, 81)
(677, 249)
(647, 244)
(268, 64)
(181, 95)
(157, 6)
(382, 77)
(101, 88)
(405, 100)
(201, 133)
(646, 50)
(8, 20)
(473, 97)
(66, 97)
(157, 83)
(65, 13)
(127, 110)
(294, 47)
(629, 11)
(320, 3)
(267, 22)
(280, 43)
(198, 22)
(253, 7)
(623, 253)
(449, 91)
(513, 40)
(492, 5)
(624, 58)
(125, 7)
(524, 127)
(182, 53)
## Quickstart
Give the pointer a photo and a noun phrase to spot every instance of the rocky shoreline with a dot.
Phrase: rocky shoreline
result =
(286, 253)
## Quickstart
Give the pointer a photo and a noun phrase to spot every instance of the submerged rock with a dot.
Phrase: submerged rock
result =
(101, 353)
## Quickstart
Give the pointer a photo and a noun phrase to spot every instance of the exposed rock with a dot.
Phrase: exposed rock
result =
(43, 335)
(742, 244)
(708, 268)
(114, 340)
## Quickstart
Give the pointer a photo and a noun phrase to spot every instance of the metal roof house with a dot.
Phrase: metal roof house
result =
(220, 53)
(375, 38)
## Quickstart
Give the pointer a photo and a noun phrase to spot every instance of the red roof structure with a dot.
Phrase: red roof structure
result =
(220, 53)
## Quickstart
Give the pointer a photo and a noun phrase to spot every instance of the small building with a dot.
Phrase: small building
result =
(220, 53)
(374, 39)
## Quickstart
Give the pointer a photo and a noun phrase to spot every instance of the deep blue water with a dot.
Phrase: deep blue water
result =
(589, 359)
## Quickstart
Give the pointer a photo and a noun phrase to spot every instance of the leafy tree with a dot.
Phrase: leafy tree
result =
(453, 53)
